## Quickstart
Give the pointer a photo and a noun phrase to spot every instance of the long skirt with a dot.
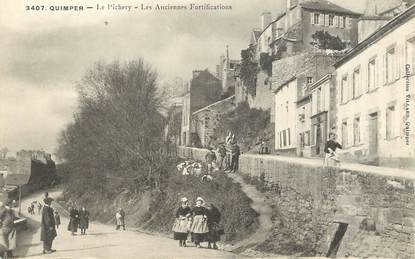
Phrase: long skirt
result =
(7, 241)
(73, 225)
(213, 235)
(199, 229)
(180, 229)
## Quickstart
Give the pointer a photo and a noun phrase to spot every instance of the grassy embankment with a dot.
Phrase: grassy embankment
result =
(154, 211)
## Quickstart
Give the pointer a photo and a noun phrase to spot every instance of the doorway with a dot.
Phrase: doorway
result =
(373, 134)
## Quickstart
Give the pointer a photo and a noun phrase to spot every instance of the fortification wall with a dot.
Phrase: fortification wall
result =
(374, 207)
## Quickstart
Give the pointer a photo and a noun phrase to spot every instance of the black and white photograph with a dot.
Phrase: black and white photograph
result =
(169, 129)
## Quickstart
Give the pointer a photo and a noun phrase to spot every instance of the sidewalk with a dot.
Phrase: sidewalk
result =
(318, 162)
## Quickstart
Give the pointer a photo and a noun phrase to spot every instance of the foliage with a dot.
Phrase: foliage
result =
(249, 69)
(155, 211)
(245, 123)
(324, 40)
(265, 62)
(117, 130)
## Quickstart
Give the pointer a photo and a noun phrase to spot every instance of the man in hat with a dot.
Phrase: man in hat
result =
(48, 231)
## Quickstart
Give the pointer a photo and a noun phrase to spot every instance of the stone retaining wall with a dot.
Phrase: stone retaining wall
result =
(313, 204)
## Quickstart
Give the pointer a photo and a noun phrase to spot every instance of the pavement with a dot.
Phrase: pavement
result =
(102, 241)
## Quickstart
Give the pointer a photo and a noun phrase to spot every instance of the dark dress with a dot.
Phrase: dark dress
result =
(73, 220)
(47, 231)
(181, 225)
(213, 219)
(83, 219)
(8, 230)
(333, 145)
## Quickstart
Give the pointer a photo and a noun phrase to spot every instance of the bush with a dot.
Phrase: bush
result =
(247, 124)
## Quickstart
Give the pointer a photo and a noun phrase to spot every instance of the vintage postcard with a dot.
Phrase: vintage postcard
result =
(207, 128)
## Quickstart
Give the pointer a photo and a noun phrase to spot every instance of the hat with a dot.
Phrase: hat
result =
(48, 200)
(184, 199)
(200, 199)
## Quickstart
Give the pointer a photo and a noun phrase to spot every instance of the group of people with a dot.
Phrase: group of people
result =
(78, 218)
(225, 157)
(33, 207)
(201, 221)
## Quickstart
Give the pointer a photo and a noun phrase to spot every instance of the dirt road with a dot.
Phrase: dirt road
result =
(103, 241)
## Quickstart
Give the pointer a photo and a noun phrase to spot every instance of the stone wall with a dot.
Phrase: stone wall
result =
(312, 205)
(312, 202)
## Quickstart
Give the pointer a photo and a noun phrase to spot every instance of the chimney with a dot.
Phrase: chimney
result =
(265, 19)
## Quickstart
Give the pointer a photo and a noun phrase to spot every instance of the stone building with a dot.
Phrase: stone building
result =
(323, 105)
(304, 27)
(203, 90)
(206, 120)
(292, 99)
(226, 72)
(376, 94)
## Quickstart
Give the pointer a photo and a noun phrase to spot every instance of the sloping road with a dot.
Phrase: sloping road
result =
(103, 241)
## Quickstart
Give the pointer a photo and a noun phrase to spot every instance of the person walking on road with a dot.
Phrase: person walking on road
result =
(199, 227)
(48, 231)
(8, 231)
(83, 220)
(221, 150)
(73, 220)
(57, 219)
(181, 225)
(39, 208)
(120, 219)
(213, 219)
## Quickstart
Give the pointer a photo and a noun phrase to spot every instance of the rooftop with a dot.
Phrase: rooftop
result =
(214, 104)
(378, 34)
(322, 5)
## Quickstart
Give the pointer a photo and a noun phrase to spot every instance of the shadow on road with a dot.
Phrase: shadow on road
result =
(28, 237)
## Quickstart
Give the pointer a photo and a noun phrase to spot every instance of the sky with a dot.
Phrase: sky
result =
(43, 53)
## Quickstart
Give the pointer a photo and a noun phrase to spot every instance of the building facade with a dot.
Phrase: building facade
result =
(376, 95)
(203, 90)
(323, 105)
(206, 120)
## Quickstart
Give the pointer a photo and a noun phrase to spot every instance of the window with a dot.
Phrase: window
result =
(371, 75)
(289, 136)
(356, 83)
(284, 138)
(390, 119)
(344, 89)
(318, 100)
(410, 54)
(344, 134)
(331, 20)
(307, 138)
(316, 18)
(390, 65)
(342, 22)
(356, 131)
(309, 79)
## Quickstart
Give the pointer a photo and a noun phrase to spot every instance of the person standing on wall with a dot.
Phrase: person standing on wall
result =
(83, 220)
(235, 151)
(222, 155)
(48, 231)
(331, 157)
(210, 159)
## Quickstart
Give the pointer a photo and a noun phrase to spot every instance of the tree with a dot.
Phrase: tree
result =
(249, 69)
(324, 40)
(117, 132)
